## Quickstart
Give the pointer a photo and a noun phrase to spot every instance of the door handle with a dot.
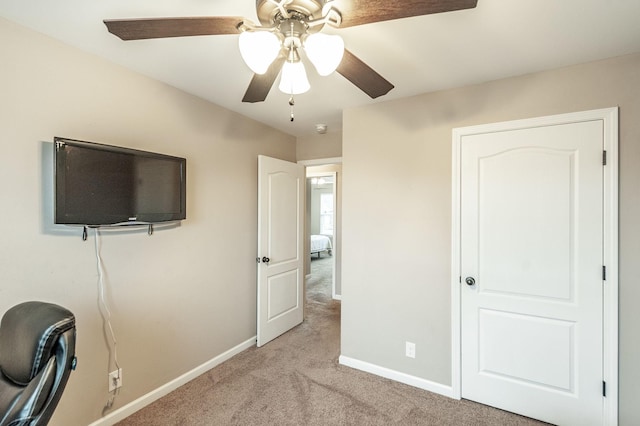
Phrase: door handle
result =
(265, 260)
(470, 281)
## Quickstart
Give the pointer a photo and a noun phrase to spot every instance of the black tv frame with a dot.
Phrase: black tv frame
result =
(63, 216)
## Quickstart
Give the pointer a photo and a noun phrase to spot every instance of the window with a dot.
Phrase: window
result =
(326, 213)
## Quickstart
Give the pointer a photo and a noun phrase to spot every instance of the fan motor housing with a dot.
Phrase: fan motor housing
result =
(268, 10)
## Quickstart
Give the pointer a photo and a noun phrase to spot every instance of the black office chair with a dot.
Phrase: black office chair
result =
(37, 354)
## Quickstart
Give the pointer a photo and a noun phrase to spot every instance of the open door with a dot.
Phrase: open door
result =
(280, 247)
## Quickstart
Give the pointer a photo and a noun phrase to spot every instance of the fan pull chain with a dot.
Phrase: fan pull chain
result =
(292, 102)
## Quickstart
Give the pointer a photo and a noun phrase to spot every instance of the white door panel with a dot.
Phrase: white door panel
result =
(512, 184)
(532, 238)
(528, 350)
(282, 294)
(282, 225)
(280, 247)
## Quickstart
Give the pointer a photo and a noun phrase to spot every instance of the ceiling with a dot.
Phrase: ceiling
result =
(497, 39)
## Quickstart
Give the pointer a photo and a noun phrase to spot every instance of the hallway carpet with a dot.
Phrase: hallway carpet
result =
(296, 380)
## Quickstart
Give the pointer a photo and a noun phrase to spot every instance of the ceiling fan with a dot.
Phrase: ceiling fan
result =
(287, 27)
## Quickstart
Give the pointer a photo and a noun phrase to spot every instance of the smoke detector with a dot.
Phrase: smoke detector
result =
(321, 129)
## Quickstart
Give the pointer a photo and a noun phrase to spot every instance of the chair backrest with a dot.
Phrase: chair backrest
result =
(37, 354)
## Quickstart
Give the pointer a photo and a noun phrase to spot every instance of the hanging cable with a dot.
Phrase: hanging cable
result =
(105, 312)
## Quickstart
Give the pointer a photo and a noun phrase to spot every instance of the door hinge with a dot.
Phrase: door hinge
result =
(604, 158)
(604, 273)
(604, 388)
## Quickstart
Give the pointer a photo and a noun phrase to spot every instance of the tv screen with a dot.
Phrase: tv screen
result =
(98, 184)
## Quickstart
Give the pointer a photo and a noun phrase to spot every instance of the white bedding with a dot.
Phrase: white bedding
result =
(320, 243)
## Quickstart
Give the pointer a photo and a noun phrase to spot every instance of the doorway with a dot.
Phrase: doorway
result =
(323, 225)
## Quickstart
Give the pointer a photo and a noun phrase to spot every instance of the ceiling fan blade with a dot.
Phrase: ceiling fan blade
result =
(139, 29)
(359, 12)
(261, 83)
(363, 76)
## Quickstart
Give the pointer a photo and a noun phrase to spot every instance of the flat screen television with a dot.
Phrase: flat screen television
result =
(99, 185)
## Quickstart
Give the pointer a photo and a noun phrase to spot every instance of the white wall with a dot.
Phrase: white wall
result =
(317, 146)
(397, 239)
(180, 297)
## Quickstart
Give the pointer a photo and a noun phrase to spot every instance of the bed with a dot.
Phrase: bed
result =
(320, 243)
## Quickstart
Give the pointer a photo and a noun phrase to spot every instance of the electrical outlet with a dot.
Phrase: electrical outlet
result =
(115, 379)
(410, 350)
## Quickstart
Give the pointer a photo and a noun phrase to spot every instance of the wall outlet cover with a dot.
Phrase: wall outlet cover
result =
(115, 379)
(410, 350)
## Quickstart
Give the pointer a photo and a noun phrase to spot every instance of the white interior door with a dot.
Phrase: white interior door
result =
(531, 251)
(280, 247)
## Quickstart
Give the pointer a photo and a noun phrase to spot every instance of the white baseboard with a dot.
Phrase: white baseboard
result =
(407, 379)
(163, 390)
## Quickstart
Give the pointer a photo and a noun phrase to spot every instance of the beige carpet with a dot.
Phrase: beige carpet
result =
(296, 380)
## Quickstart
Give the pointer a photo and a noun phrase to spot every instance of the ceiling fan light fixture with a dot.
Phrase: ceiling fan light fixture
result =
(324, 51)
(259, 49)
(293, 80)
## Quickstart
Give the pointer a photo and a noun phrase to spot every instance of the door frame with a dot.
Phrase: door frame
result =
(337, 237)
(609, 117)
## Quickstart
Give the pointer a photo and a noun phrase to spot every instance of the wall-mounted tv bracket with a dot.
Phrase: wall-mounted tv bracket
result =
(85, 230)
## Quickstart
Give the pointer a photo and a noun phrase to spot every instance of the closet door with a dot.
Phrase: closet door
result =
(531, 271)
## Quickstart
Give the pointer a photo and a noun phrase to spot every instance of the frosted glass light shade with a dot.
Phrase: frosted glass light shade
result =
(293, 80)
(259, 49)
(324, 51)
